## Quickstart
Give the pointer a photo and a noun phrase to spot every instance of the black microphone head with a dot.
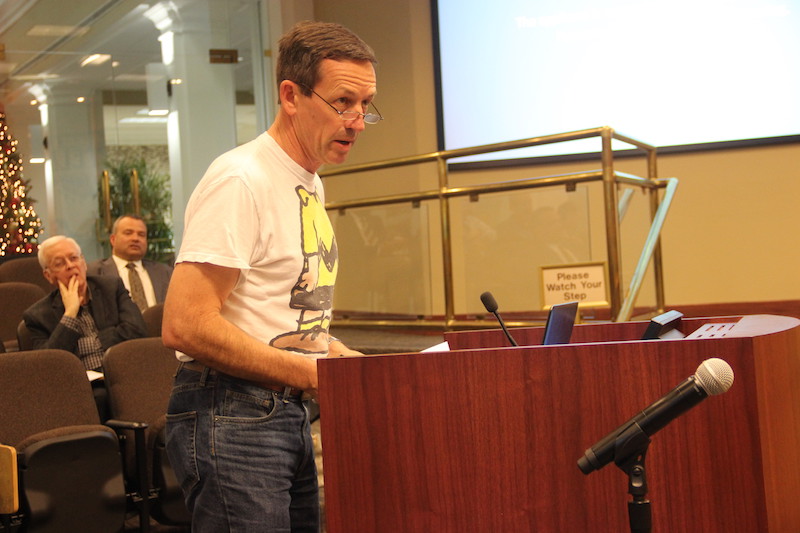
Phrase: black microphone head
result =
(714, 375)
(489, 302)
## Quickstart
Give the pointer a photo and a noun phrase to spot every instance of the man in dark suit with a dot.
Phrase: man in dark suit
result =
(84, 315)
(146, 280)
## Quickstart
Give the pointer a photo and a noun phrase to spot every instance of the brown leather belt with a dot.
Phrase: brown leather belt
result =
(288, 392)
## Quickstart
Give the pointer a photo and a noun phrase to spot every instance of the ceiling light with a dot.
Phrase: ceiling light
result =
(95, 59)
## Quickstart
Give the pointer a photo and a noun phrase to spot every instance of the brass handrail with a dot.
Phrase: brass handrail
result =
(606, 174)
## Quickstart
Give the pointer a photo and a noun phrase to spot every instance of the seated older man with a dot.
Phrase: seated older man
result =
(84, 315)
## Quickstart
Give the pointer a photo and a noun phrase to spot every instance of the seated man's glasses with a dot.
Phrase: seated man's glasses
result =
(60, 263)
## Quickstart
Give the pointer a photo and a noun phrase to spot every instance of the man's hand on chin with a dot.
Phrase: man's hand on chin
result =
(70, 296)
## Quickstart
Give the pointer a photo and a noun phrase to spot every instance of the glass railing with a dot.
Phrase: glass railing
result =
(424, 256)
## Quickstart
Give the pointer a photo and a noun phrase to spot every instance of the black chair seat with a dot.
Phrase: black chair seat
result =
(70, 474)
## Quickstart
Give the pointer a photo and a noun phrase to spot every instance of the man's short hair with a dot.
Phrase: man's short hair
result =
(48, 243)
(130, 215)
(302, 49)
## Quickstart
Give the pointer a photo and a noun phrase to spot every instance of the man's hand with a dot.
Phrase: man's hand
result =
(70, 297)
(337, 349)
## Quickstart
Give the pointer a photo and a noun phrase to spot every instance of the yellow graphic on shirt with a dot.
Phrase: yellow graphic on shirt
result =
(313, 293)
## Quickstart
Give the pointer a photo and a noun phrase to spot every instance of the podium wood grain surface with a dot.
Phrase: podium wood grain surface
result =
(486, 438)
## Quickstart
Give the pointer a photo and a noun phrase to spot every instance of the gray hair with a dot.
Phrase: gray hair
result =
(49, 243)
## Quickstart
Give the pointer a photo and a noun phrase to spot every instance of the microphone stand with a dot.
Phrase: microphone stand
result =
(639, 514)
(630, 449)
(505, 329)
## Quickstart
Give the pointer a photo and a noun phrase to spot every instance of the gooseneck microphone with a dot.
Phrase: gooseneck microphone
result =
(713, 376)
(491, 305)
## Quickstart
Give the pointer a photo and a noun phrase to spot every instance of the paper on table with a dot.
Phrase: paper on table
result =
(441, 347)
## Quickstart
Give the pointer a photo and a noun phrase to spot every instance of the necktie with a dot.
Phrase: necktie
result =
(137, 289)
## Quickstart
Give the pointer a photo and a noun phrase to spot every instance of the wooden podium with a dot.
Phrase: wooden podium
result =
(486, 438)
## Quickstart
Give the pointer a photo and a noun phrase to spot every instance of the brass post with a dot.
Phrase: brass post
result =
(447, 247)
(135, 191)
(658, 270)
(612, 223)
(106, 189)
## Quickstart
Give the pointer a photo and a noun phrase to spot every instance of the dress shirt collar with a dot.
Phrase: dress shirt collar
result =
(122, 264)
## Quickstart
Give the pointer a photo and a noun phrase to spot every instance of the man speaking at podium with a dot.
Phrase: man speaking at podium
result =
(249, 304)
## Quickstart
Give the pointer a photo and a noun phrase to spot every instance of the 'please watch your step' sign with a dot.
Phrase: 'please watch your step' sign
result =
(586, 283)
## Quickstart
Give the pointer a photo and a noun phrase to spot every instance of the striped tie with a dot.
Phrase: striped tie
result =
(137, 289)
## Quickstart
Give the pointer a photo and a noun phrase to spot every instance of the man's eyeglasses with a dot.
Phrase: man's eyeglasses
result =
(369, 118)
(60, 263)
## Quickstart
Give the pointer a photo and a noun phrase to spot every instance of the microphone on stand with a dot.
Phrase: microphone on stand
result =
(713, 376)
(491, 305)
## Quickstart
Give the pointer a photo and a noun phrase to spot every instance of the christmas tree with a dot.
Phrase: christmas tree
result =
(19, 225)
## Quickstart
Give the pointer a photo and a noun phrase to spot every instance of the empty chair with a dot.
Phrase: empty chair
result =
(25, 269)
(15, 298)
(70, 467)
(153, 316)
(139, 375)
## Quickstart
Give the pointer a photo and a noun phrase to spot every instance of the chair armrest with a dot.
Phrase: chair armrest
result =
(143, 483)
(139, 448)
(139, 442)
(126, 424)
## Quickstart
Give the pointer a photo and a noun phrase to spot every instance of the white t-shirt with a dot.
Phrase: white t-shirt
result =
(258, 211)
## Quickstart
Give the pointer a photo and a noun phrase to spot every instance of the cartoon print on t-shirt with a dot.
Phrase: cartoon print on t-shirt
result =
(313, 293)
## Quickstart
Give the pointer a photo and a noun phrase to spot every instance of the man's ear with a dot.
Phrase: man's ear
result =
(112, 238)
(49, 277)
(288, 93)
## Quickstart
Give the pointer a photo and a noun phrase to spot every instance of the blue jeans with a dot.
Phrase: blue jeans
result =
(243, 455)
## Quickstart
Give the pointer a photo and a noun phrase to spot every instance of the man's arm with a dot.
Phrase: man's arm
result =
(130, 324)
(193, 325)
(43, 336)
(45, 319)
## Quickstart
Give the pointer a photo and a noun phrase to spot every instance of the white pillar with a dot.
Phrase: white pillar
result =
(202, 120)
(72, 135)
